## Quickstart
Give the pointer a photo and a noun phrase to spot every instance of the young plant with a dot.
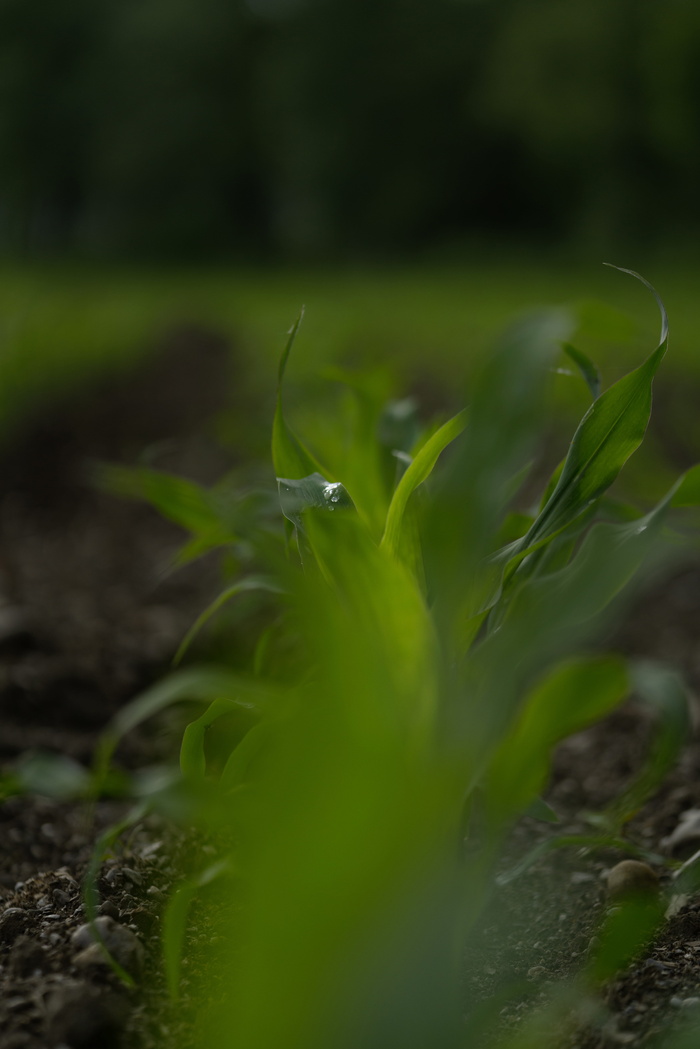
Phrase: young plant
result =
(435, 668)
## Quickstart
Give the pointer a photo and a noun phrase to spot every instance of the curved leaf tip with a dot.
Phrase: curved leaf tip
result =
(659, 302)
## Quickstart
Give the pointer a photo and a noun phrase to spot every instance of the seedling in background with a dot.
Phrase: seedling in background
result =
(435, 668)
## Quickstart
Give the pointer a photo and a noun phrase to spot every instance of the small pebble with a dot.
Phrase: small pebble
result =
(632, 879)
(12, 923)
(581, 877)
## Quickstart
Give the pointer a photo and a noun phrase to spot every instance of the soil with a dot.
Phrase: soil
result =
(90, 615)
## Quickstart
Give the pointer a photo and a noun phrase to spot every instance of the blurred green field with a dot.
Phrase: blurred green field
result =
(60, 325)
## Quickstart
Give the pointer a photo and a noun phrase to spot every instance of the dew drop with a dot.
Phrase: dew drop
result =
(331, 493)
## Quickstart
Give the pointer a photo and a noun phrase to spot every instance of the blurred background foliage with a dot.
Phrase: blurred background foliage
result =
(348, 129)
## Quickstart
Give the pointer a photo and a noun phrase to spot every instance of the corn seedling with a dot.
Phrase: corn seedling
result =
(428, 653)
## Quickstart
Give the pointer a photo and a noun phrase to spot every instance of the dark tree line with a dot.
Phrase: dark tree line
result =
(318, 127)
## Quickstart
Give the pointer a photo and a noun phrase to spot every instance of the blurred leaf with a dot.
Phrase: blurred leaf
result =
(53, 775)
(398, 426)
(351, 445)
(289, 456)
(188, 803)
(204, 684)
(241, 763)
(587, 368)
(688, 491)
(173, 932)
(571, 696)
(472, 494)
(609, 557)
(661, 690)
(175, 923)
(626, 931)
(252, 583)
(514, 527)
(544, 617)
(192, 758)
(540, 810)
(185, 503)
(416, 473)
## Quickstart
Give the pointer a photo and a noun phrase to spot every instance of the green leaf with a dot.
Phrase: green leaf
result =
(173, 935)
(514, 527)
(185, 503)
(192, 757)
(196, 683)
(175, 922)
(311, 493)
(625, 933)
(587, 368)
(572, 696)
(244, 758)
(473, 492)
(352, 449)
(199, 546)
(611, 430)
(540, 810)
(289, 456)
(688, 490)
(244, 585)
(609, 557)
(53, 775)
(419, 470)
(544, 617)
(661, 689)
(200, 683)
